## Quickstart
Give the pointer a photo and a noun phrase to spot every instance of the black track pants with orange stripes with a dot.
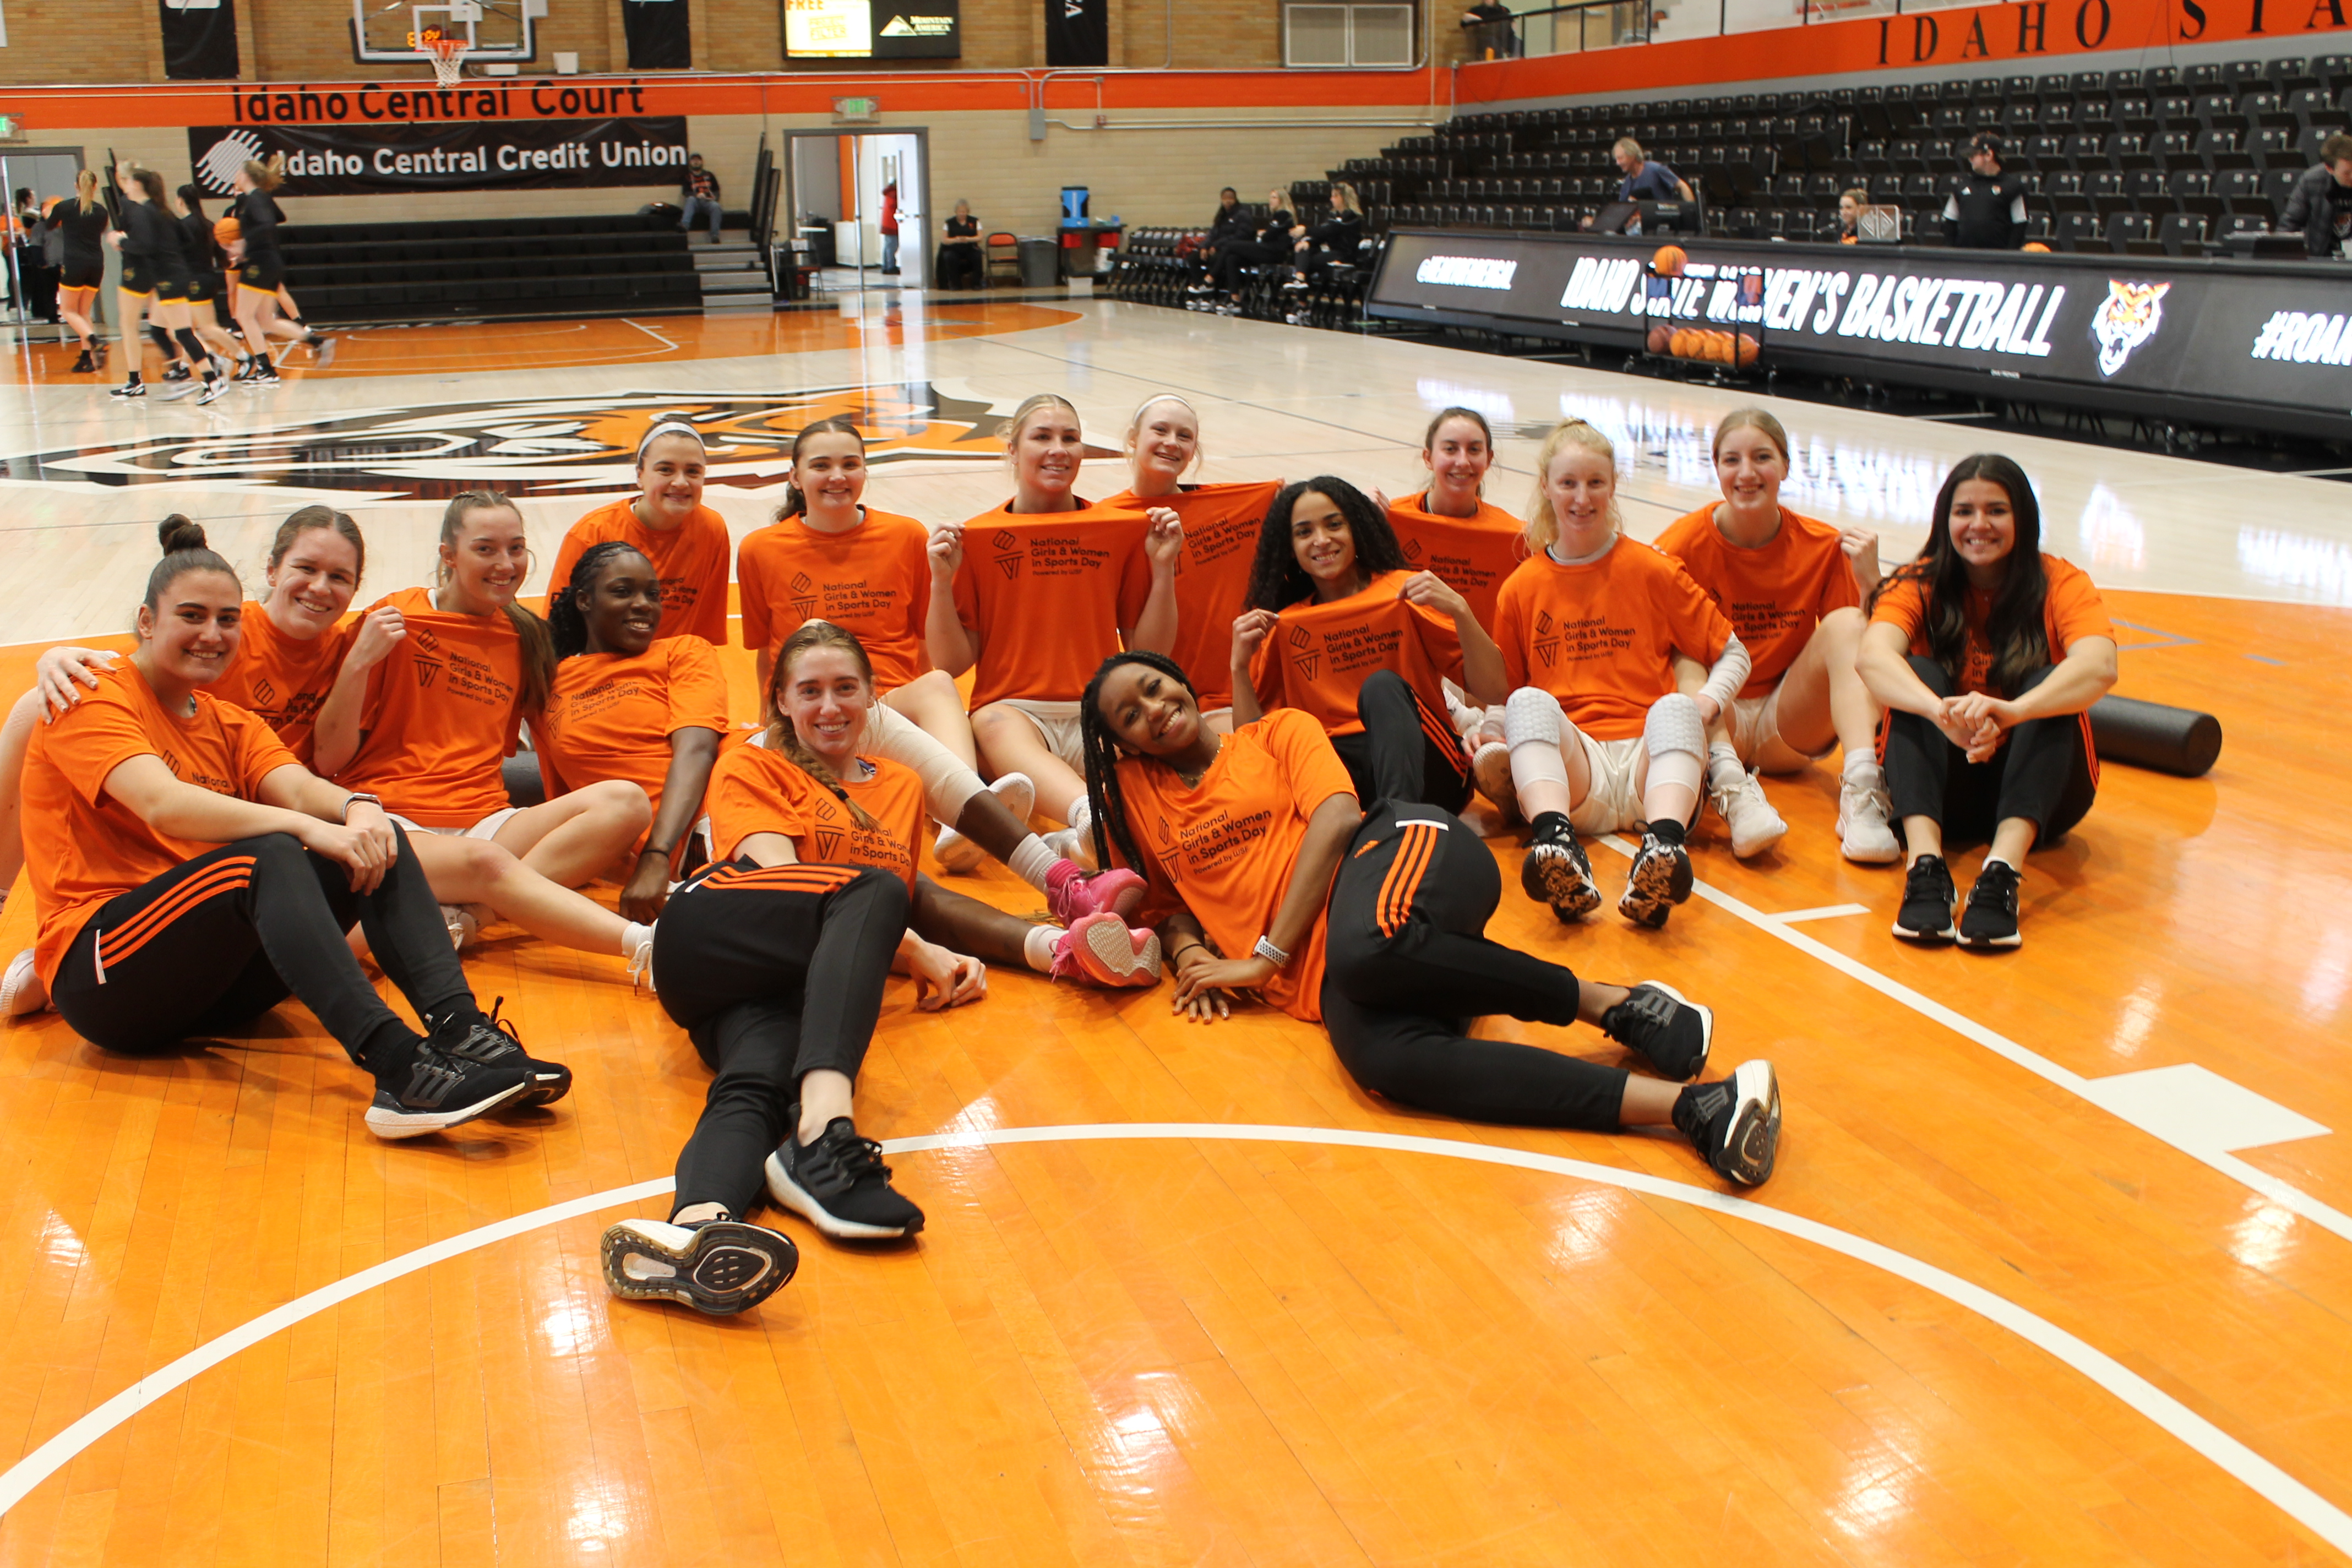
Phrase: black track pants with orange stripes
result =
(2047, 773)
(773, 974)
(1406, 750)
(211, 946)
(1407, 969)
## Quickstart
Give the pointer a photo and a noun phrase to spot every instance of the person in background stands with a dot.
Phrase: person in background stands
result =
(1488, 26)
(1645, 180)
(696, 192)
(888, 228)
(1987, 212)
(1336, 241)
(1272, 245)
(1850, 205)
(960, 265)
(1231, 225)
(2320, 205)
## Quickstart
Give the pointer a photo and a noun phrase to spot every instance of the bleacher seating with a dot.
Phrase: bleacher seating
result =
(497, 267)
(2162, 160)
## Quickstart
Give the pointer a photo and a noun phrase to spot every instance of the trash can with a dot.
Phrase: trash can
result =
(1040, 264)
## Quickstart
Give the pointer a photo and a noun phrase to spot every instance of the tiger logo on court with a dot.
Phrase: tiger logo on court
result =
(2128, 317)
(554, 446)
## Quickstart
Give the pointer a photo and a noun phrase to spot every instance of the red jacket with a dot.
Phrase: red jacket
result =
(889, 224)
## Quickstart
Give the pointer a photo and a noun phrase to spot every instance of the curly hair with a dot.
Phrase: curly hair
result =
(1101, 753)
(567, 623)
(1277, 579)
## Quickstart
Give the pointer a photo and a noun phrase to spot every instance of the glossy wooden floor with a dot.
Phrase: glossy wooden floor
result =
(2004, 1302)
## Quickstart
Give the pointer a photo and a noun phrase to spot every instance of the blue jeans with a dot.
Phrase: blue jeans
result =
(703, 203)
(889, 253)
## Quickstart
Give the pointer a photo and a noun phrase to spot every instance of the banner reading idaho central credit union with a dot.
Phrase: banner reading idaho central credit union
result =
(451, 155)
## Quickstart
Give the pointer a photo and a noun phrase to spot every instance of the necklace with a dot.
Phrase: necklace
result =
(1193, 779)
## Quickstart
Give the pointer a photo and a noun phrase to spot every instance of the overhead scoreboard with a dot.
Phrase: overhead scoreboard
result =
(822, 31)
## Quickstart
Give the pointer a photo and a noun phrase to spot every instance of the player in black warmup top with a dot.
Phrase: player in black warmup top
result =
(155, 279)
(81, 220)
(261, 273)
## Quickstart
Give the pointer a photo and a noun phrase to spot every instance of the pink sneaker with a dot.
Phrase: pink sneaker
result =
(1099, 949)
(1072, 895)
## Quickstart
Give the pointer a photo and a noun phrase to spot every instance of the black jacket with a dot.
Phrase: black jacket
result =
(1230, 225)
(686, 184)
(153, 239)
(257, 217)
(2321, 209)
(1987, 213)
(1342, 235)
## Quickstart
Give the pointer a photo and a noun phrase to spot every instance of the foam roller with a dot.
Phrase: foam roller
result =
(2150, 735)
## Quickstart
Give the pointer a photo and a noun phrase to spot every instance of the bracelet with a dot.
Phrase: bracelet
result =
(374, 800)
(1271, 954)
(1188, 947)
(657, 849)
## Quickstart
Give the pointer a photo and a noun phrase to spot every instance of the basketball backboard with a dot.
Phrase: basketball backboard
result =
(401, 29)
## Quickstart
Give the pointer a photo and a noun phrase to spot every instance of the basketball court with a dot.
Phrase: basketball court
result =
(2056, 1266)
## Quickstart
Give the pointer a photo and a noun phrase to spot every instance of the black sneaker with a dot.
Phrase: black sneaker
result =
(1991, 919)
(1927, 897)
(1735, 1122)
(1660, 880)
(1556, 872)
(83, 365)
(427, 1093)
(840, 1185)
(491, 1042)
(718, 1266)
(1673, 1032)
(261, 377)
(176, 371)
(130, 389)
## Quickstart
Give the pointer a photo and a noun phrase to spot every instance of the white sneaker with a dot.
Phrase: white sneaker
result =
(641, 964)
(1073, 846)
(955, 853)
(21, 992)
(461, 923)
(1754, 824)
(1865, 823)
(1491, 766)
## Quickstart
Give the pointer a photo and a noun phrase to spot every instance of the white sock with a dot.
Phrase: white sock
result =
(2002, 859)
(1080, 817)
(1723, 769)
(1862, 770)
(634, 936)
(1032, 859)
(695, 1213)
(1037, 947)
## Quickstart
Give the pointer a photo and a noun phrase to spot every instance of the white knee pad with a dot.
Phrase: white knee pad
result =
(1532, 715)
(1674, 725)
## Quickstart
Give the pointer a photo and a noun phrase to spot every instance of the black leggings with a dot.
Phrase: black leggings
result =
(733, 955)
(1406, 750)
(1225, 270)
(1407, 969)
(211, 946)
(2047, 773)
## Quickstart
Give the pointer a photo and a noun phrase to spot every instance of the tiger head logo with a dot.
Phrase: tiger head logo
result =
(2128, 317)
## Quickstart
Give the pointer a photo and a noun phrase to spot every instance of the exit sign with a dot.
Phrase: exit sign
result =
(856, 110)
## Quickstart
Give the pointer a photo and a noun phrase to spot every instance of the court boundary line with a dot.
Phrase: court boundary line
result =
(2276, 1189)
(2235, 1459)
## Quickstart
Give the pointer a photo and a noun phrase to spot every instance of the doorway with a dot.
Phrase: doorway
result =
(835, 182)
(46, 172)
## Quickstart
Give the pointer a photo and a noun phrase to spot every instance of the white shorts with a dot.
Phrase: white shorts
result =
(1755, 726)
(1058, 723)
(1613, 804)
(485, 828)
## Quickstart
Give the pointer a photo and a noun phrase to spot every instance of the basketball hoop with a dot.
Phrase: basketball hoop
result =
(449, 57)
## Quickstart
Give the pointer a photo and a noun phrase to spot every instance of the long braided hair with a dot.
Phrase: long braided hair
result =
(1101, 753)
(1278, 580)
(567, 623)
(783, 739)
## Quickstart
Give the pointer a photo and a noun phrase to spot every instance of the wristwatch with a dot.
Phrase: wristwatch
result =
(374, 800)
(1271, 954)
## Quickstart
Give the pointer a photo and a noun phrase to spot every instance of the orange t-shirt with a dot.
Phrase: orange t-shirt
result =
(1316, 657)
(82, 846)
(2071, 611)
(1225, 848)
(1472, 554)
(440, 712)
(1221, 523)
(1774, 595)
(284, 679)
(690, 560)
(611, 717)
(755, 789)
(873, 581)
(1600, 636)
(1046, 594)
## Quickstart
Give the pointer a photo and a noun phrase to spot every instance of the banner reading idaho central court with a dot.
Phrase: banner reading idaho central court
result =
(453, 155)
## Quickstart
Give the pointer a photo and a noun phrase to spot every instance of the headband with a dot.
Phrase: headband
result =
(670, 427)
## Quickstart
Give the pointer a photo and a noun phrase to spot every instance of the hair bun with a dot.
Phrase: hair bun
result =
(177, 532)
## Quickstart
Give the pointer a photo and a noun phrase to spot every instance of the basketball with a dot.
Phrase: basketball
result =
(1669, 261)
(1748, 348)
(2035, 244)
(228, 231)
(1679, 343)
(1661, 340)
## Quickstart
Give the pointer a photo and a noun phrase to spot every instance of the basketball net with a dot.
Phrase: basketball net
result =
(449, 57)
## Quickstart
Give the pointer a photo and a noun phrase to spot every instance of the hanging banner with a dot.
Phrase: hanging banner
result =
(1077, 32)
(659, 34)
(455, 155)
(199, 39)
